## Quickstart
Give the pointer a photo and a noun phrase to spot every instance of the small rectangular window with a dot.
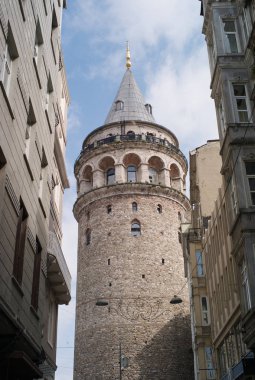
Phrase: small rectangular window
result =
(36, 275)
(250, 173)
(205, 311)
(20, 243)
(199, 263)
(109, 261)
(241, 102)
(245, 287)
(231, 43)
(211, 374)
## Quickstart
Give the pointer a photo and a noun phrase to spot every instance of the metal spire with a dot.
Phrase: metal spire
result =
(128, 59)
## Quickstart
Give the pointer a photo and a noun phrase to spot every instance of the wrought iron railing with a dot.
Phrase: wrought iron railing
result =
(132, 137)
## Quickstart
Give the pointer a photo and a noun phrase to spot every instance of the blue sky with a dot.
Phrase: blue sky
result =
(170, 65)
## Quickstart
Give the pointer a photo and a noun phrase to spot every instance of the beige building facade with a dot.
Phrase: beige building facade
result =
(227, 241)
(34, 278)
(131, 199)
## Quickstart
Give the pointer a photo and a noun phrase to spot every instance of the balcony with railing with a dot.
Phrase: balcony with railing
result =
(133, 138)
(194, 235)
(57, 270)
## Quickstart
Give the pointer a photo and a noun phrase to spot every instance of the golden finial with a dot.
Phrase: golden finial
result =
(128, 60)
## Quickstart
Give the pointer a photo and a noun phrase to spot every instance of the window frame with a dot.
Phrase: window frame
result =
(134, 206)
(88, 237)
(131, 171)
(135, 231)
(108, 176)
(246, 292)
(199, 263)
(226, 40)
(241, 97)
(20, 243)
(36, 275)
(205, 312)
(250, 176)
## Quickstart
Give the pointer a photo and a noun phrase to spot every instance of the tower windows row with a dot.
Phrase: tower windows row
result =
(134, 207)
(119, 106)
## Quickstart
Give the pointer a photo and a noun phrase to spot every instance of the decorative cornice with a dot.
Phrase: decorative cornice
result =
(129, 189)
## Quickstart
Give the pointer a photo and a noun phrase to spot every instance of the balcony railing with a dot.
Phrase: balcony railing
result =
(133, 137)
(58, 273)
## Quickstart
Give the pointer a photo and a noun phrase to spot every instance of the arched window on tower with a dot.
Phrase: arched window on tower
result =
(119, 105)
(134, 207)
(88, 236)
(159, 209)
(131, 173)
(135, 228)
(149, 108)
(110, 176)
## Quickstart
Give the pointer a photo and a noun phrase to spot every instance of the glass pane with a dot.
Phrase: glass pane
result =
(229, 26)
(232, 43)
(243, 116)
(204, 304)
(253, 198)
(110, 176)
(239, 90)
(241, 104)
(252, 184)
(250, 167)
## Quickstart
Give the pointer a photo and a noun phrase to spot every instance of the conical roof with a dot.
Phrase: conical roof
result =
(129, 103)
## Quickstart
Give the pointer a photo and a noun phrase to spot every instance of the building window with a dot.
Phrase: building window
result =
(159, 209)
(36, 275)
(109, 209)
(245, 287)
(119, 105)
(131, 173)
(241, 102)
(135, 228)
(211, 374)
(233, 195)
(38, 43)
(52, 319)
(230, 41)
(199, 263)
(110, 176)
(246, 21)
(149, 108)
(20, 243)
(250, 172)
(134, 207)
(88, 236)
(205, 311)
(221, 114)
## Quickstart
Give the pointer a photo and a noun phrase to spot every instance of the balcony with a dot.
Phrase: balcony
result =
(245, 367)
(57, 271)
(135, 138)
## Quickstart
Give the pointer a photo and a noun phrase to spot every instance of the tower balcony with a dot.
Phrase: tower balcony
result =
(134, 138)
(57, 271)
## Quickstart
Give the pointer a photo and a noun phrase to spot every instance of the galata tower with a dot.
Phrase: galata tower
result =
(131, 182)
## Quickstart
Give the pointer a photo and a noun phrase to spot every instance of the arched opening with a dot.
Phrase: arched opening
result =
(135, 228)
(132, 162)
(88, 236)
(107, 164)
(176, 181)
(119, 105)
(156, 166)
(109, 209)
(86, 182)
(159, 209)
(149, 108)
(134, 207)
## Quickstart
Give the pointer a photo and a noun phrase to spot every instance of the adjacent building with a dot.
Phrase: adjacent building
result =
(34, 278)
(228, 241)
(131, 199)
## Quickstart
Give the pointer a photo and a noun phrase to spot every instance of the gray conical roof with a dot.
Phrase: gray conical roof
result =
(133, 106)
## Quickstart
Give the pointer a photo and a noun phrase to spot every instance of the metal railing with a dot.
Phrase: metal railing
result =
(54, 248)
(133, 137)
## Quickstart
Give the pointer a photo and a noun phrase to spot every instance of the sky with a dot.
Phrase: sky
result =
(170, 65)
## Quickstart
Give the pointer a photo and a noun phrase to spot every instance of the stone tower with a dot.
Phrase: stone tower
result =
(131, 178)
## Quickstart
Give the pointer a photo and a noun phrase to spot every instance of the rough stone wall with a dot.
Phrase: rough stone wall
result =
(141, 277)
